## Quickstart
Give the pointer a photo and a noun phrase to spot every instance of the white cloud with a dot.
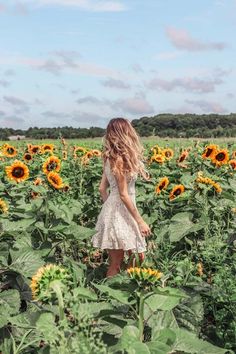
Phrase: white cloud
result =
(86, 5)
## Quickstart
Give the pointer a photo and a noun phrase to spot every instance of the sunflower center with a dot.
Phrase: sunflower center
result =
(162, 186)
(10, 150)
(209, 152)
(168, 153)
(220, 156)
(28, 157)
(177, 192)
(51, 166)
(54, 179)
(18, 172)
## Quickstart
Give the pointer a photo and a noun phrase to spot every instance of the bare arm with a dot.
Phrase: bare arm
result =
(125, 197)
(104, 184)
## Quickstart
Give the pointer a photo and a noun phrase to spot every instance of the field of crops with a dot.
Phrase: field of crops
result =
(54, 297)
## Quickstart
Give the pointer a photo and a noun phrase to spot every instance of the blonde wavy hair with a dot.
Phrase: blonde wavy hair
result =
(123, 148)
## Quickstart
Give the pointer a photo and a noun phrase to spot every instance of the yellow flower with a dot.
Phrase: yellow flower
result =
(55, 180)
(40, 283)
(176, 191)
(3, 207)
(18, 171)
(209, 151)
(144, 274)
(183, 156)
(168, 153)
(207, 180)
(200, 269)
(27, 157)
(220, 157)
(9, 150)
(52, 163)
(47, 148)
(159, 158)
(232, 163)
(34, 149)
(162, 185)
(79, 151)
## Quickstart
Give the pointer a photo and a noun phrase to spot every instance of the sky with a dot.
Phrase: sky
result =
(82, 62)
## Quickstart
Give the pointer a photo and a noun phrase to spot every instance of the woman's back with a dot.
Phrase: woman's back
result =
(112, 181)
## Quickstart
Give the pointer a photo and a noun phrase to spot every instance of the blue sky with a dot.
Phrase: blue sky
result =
(81, 62)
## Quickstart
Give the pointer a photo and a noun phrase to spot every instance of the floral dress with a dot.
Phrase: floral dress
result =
(116, 228)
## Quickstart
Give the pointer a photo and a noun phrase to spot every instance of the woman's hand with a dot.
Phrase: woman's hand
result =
(144, 228)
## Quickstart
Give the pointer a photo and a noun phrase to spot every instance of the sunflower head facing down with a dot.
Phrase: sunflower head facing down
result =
(55, 180)
(42, 280)
(176, 191)
(9, 150)
(209, 151)
(183, 156)
(17, 172)
(220, 157)
(144, 275)
(163, 184)
(79, 151)
(3, 207)
(52, 163)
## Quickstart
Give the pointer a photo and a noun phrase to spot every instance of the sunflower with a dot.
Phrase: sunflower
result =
(176, 191)
(89, 154)
(211, 182)
(18, 171)
(79, 151)
(38, 181)
(168, 153)
(52, 163)
(47, 148)
(55, 180)
(156, 149)
(41, 281)
(144, 274)
(64, 155)
(162, 185)
(159, 158)
(232, 163)
(27, 157)
(200, 269)
(96, 152)
(209, 151)
(3, 207)
(34, 149)
(9, 150)
(220, 157)
(183, 156)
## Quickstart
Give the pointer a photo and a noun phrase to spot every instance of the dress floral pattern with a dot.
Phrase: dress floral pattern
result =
(116, 228)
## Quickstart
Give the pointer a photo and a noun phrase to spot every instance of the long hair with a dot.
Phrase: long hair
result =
(123, 148)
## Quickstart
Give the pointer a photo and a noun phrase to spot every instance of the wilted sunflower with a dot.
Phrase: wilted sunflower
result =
(144, 274)
(220, 157)
(183, 156)
(27, 157)
(18, 171)
(209, 151)
(232, 163)
(3, 207)
(34, 149)
(41, 281)
(52, 163)
(168, 153)
(176, 191)
(47, 148)
(9, 150)
(162, 185)
(55, 180)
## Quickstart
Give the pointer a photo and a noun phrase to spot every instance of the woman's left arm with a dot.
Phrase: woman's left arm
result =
(104, 184)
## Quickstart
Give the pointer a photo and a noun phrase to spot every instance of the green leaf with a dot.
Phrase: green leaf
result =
(121, 296)
(189, 343)
(84, 293)
(46, 325)
(9, 305)
(156, 347)
(26, 261)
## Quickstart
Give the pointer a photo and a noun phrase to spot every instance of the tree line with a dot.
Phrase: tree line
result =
(162, 125)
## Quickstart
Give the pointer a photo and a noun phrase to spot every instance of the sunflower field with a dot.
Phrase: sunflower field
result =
(54, 297)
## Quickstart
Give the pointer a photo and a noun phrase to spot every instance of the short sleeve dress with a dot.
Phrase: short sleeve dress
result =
(115, 227)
